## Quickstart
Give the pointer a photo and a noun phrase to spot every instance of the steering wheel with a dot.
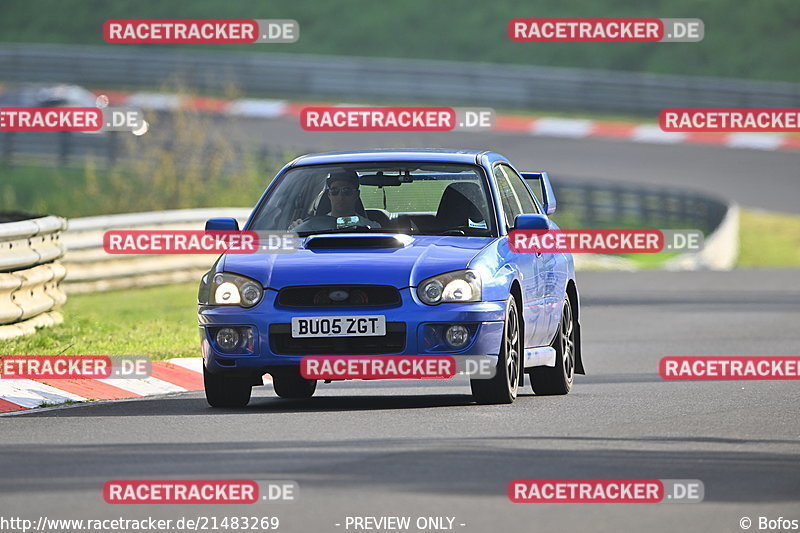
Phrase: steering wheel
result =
(325, 222)
(458, 230)
(312, 218)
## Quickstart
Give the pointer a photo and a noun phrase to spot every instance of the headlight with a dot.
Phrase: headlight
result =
(232, 289)
(458, 286)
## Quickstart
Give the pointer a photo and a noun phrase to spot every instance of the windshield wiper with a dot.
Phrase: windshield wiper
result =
(359, 229)
(465, 232)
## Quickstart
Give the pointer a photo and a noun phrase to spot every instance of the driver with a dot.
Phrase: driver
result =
(342, 190)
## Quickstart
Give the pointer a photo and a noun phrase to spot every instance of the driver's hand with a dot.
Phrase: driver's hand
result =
(295, 223)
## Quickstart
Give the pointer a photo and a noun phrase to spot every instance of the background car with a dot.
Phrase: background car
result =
(43, 95)
(426, 251)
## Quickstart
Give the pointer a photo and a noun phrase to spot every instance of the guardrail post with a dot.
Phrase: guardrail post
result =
(588, 201)
(8, 148)
(113, 149)
(63, 147)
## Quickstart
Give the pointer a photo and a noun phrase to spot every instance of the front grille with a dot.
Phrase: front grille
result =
(339, 296)
(282, 342)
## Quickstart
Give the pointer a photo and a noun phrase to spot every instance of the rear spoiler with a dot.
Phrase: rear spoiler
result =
(540, 185)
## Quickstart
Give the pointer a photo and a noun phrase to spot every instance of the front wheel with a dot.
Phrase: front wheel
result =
(226, 391)
(558, 379)
(502, 388)
(288, 383)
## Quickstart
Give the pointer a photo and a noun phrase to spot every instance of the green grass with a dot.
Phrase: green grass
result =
(43, 190)
(59, 404)
(86, 191)
(192, 165)
(768, 240)
(189, 164)
(742, 39)
(649, 261)
(160, 322)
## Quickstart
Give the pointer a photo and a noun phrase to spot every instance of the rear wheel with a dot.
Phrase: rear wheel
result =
(288, 383)
(502, 388)
(226, 391)
(558, 379)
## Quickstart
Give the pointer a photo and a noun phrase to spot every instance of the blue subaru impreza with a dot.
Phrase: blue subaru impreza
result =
(401, 252)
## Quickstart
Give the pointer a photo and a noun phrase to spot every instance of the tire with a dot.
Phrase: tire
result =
(502, 388)
(226, 391)
(288, 383)
(558, 379)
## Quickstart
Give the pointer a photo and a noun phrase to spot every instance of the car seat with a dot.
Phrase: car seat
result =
(461, 203)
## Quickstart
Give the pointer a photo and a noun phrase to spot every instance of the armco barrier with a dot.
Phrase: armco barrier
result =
(30, 274)
(30, 270)
(721, 247)
(602, 204)
(597, 204)
(91, 269)
(385, 79)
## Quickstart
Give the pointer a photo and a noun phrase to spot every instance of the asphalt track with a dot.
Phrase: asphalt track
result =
(753, 178)
(394, 448)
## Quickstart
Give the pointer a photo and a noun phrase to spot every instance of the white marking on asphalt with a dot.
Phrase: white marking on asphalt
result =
(156, 101)
(194, 364)
(562, 127)
(257, 108)
(758, 141)
(653, 134)
(29, 393)
(145, 387)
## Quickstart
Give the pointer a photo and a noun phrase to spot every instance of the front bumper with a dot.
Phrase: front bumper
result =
(483, 319)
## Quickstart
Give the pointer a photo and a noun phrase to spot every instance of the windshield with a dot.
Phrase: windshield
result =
(403, 197)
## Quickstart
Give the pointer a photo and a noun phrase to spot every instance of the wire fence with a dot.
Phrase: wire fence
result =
(386, 79)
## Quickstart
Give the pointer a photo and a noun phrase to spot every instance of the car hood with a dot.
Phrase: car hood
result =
(355, 260)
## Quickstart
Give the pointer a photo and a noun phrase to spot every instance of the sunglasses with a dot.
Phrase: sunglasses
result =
(347, 191)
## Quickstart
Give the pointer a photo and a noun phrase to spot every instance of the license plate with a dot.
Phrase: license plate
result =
(339, 326)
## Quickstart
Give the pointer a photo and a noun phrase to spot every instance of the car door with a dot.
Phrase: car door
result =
(551, 272)
(527, 263)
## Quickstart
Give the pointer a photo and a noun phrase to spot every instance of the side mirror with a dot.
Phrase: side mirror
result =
(531, 222)
(222, 224)
(539, 182)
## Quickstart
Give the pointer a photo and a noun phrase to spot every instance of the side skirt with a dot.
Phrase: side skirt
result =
(541, 356)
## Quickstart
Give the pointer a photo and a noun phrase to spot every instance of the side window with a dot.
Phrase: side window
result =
(511, 204)
(525, 199)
